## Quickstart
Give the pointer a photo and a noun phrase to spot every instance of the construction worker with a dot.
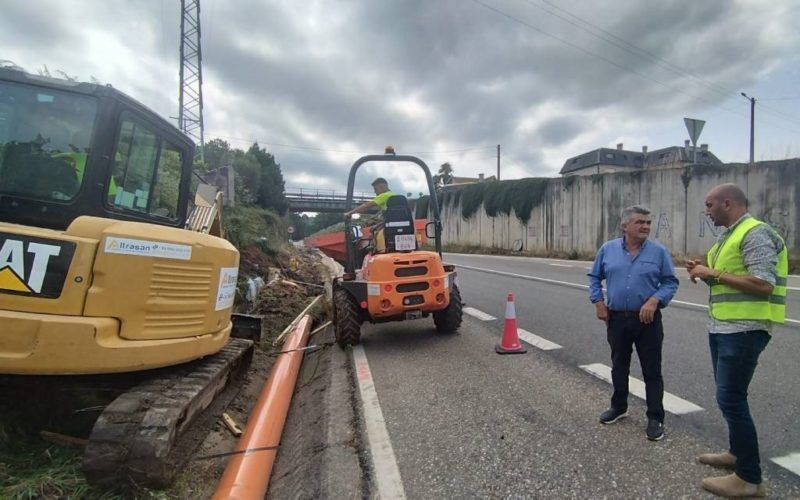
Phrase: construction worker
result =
(382, 195)
(746, 272)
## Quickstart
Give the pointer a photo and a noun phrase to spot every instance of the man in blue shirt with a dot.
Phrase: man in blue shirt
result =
(640, 279)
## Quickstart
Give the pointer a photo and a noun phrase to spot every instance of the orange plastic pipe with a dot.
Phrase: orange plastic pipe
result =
(247, 474)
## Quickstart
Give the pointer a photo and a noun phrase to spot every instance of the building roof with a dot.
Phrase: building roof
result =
(637, 159)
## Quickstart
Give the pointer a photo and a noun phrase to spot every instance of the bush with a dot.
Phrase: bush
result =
(421, 211)
(249, 225)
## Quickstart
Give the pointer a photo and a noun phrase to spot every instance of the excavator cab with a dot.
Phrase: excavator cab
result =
(98, 272)
(104, 269)
(401, 282)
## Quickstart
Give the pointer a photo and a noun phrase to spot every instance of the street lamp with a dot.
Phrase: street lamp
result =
(752, 126)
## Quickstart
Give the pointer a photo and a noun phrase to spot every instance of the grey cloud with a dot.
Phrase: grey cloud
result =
(328, 70)
(560, 130)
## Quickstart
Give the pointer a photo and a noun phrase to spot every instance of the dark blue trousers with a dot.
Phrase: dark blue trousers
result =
(625, 331)
(734, 357)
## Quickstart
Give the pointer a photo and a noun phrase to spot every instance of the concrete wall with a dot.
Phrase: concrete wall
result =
(579, 213)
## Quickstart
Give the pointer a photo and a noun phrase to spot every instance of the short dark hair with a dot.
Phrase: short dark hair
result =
(380, 180)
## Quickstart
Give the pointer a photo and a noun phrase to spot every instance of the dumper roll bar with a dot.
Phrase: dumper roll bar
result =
(350, 264)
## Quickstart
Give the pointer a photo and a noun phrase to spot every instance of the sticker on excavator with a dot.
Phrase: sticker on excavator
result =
(405, 242)
(34, 266)
(227, 287)
(145, 248)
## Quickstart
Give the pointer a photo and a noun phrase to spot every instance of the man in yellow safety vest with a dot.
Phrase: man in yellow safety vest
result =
(746, 273)
(382, 195)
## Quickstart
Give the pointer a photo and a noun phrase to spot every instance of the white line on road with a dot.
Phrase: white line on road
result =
(790, 462)
(582, 287)
(560, 265)
(672, 403)
(479, 314)
(537, 341)
(387, 475)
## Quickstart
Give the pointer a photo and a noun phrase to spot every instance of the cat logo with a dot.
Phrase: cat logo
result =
(33, 266)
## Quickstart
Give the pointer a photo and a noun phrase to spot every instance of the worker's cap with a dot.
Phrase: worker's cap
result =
(380, 180)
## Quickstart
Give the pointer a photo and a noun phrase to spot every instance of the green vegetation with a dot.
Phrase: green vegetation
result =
(258, 178)
(305, 225)
(246, 226)
(421, 210)
(445, 175)
(500, 197)
(39, 470)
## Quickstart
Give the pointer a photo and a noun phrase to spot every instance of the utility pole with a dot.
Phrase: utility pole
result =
(190, 96)
(498, 162)
(752, 127)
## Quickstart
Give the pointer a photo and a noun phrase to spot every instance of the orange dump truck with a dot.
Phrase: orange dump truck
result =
(333, 244)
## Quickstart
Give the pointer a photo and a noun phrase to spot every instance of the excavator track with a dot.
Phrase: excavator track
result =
(134, 438)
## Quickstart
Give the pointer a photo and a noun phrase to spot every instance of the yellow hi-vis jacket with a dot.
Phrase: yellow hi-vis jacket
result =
(728, 303)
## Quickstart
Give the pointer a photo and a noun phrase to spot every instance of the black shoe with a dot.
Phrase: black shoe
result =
(612, 415)
(655, 430)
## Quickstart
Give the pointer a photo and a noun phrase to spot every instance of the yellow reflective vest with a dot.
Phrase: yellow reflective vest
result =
(728, 303)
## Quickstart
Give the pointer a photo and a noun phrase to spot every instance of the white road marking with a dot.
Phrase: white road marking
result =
(560, 265)
(672, 403)
(582, 287)
(523, 276)
(537, 341)
(478, 314)
(387, 475)
(790, 462)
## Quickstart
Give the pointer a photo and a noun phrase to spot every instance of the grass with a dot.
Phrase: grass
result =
(42, 472)
(31, 468)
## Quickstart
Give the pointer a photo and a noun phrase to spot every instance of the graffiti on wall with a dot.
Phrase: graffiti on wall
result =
(705, 222)
(663, 227)
(778, 219)
(775, 217)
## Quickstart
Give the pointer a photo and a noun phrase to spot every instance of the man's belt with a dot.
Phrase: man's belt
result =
(625, 314)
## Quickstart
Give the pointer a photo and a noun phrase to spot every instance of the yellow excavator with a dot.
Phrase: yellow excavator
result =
(104, 268)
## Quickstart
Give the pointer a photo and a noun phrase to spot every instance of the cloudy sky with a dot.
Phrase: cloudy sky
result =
(321, 82)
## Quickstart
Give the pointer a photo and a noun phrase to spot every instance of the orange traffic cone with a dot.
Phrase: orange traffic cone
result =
(510, 343)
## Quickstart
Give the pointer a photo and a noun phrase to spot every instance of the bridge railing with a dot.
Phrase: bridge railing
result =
(323, 194)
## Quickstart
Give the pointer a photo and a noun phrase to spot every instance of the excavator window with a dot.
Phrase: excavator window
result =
(45, 140)
(147, 171)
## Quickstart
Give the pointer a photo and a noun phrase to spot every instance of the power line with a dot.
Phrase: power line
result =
(607, 60)
(645, 54)
(585, 51)
(630, 47)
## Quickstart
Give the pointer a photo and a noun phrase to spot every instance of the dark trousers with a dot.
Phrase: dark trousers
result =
(624, 331)
(734, 357)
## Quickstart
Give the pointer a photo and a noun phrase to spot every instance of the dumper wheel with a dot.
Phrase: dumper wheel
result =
(346, 321)
(449, 319)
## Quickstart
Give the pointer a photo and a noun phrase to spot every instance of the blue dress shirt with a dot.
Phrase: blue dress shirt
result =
(631, 281)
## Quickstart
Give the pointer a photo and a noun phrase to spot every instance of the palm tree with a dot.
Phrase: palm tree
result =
(445, 175)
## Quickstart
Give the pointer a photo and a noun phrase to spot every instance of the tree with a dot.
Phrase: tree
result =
(271, 190)
(217, 153)
(445, 175)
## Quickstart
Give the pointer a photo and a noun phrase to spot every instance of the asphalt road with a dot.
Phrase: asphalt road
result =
(464, 421)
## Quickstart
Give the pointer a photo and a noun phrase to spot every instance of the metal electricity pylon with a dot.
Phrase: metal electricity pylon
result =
(190, 100)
